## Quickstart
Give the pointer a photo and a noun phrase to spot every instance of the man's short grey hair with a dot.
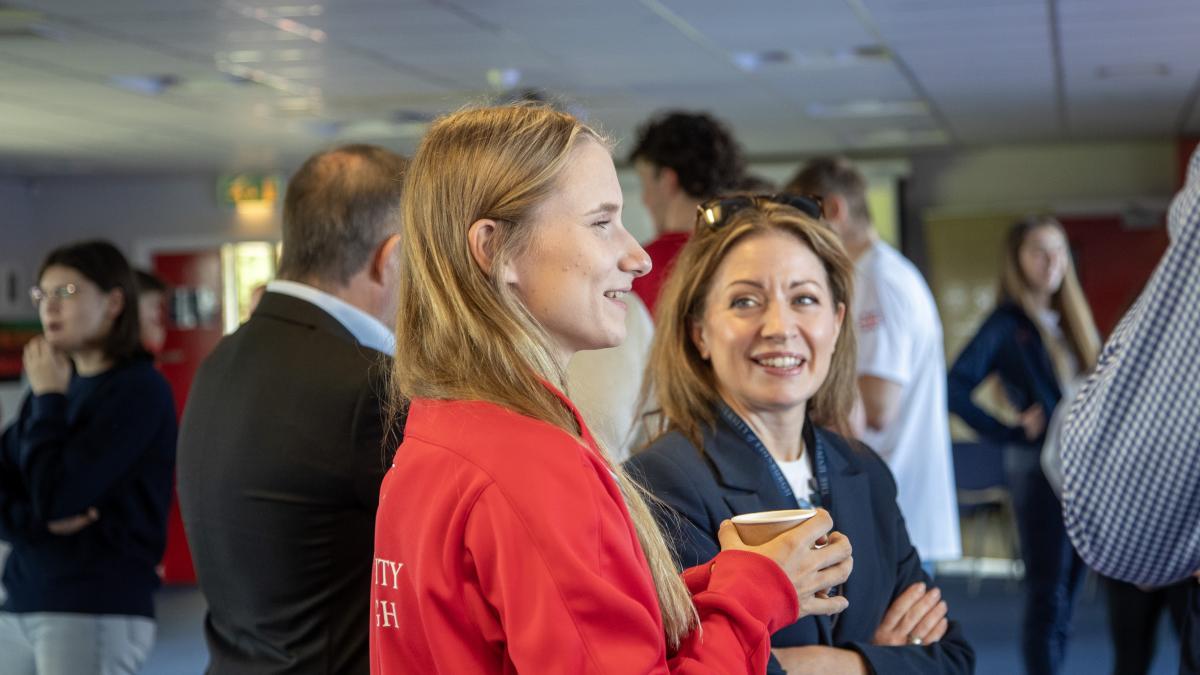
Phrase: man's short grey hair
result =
(339, 207)
(825, 176)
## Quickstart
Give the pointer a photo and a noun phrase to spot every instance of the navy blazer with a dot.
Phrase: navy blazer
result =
(1008, 344)
(730, 478)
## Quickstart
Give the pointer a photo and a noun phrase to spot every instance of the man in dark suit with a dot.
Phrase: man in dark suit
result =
(284, 439)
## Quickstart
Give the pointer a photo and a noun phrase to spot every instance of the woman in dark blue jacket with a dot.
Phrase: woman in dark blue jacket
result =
(1038, 340)
(85, 477)
(752, 360)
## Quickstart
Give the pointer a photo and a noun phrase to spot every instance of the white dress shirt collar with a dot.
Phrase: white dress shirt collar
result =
(369, 331)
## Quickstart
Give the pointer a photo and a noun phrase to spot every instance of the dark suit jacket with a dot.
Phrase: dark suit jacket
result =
(281, 453)
(729, 478)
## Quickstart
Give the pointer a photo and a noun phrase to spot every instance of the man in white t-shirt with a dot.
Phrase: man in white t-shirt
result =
(901, 365)
(605, 384)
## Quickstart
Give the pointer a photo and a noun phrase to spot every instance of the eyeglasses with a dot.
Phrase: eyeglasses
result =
(38, 296)
(716, 212)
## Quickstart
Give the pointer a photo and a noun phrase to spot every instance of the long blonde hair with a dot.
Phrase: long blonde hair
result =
(496, 163)
(1078, 325)
(682, 381)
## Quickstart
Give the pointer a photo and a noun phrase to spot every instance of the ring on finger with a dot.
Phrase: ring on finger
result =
(915, 640)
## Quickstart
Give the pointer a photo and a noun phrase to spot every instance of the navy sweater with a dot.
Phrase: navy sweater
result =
(1008, 344)
(109, 443)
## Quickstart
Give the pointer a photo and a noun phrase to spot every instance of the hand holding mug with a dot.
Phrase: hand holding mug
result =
(812, 570)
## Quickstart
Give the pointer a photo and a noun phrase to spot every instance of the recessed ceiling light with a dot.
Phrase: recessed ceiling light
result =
(867, 108)
(272, 80)
(299, 104)
(894, 137)
(298, 10)
(241, 56)
(818, 59)
(258, 36)
(503, 79)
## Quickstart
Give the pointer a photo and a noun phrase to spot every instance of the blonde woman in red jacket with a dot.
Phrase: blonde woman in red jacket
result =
(506, 540)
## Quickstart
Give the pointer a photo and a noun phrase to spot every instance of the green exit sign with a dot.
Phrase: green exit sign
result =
(247, 188)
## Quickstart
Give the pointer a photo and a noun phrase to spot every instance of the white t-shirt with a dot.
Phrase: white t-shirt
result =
(799, 475)
(900, 340)
(605, 383)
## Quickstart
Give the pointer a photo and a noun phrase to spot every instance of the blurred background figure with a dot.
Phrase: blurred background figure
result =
(751, 183)
(85, 476)
(282, 444)
(153, 324)
(1038, 340)
(605, 383)
(681, 158)
(901, 363)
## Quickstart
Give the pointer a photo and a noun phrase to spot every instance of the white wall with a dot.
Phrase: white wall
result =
(139, 212)
(1067, 175)
(17, 241)
(1058, 178)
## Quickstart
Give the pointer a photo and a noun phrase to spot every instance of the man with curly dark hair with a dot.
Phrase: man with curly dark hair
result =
(682, 159)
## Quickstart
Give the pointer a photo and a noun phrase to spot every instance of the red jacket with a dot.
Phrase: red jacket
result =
(502, 545)
(662, 252)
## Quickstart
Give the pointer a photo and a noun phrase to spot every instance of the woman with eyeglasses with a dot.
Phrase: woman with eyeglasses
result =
(1038, 340)
(85, 477)
(753, 368)
(506, 540)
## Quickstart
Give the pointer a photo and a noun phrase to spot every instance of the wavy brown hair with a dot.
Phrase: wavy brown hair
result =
(1078, 325)
(682, 381)
(496, 163)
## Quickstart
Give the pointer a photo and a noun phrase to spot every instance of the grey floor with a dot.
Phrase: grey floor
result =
(989, 620)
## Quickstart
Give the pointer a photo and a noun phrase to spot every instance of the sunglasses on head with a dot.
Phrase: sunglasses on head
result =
(715, 213)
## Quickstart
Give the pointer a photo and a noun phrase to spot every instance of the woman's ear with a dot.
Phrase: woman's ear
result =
(483, 237)
(697, 333)
(115, 299)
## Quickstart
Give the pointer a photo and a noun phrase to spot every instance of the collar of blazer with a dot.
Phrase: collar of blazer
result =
(738, 466)
(297, 311)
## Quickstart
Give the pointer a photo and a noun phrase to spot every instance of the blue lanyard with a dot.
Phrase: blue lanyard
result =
(821, 468)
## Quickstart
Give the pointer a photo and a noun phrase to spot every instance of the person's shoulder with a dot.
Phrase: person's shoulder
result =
(671, 455)
(268, 342)
(896, 271)
(1006, 315)
(137, 378)
(505, 444)
(140, 371)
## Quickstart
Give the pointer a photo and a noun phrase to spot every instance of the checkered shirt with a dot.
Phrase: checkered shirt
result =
(1131, 444)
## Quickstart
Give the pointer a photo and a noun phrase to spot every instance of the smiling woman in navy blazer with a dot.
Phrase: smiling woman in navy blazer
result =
(751, 361)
